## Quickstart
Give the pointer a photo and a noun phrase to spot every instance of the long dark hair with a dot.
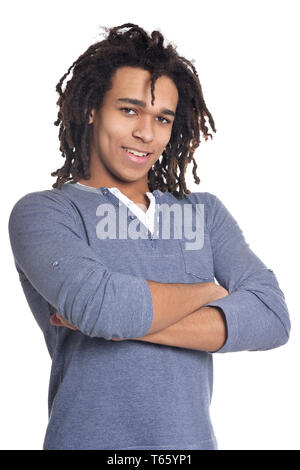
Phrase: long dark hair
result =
(92, 78)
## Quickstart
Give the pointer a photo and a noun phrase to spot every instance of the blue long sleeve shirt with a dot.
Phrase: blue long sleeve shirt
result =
(131, 394)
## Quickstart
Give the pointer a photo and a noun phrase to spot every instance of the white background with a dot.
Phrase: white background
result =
(247, 57)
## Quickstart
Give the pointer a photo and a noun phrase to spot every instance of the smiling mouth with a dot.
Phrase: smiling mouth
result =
(137, 153)
(133, 157)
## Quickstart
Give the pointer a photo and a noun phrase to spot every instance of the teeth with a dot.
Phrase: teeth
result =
(138, 154)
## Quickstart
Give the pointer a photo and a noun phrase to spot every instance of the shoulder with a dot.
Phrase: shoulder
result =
(42, 204)
(44, 197)
(208, 201)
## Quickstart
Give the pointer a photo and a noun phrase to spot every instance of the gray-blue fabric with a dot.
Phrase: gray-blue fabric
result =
(132, 394)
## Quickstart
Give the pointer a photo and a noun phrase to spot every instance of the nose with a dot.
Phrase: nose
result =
(144, 129)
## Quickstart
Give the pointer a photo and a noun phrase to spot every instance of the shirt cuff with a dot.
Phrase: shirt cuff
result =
(242, 310)
(127, 308)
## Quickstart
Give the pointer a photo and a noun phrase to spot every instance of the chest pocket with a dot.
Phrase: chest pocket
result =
(198, 262)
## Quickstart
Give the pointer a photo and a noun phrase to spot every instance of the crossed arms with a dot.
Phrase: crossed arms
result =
(204, 329)
(52, 254)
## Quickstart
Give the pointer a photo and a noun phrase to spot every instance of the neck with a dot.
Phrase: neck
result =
(135, 191)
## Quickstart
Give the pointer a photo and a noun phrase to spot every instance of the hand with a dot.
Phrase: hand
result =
(218, 293)
(58, 320)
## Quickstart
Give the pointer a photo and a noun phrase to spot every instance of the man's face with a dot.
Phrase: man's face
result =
(138, 126)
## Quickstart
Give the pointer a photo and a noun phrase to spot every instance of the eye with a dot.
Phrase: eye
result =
(126, 109)
(167, 121)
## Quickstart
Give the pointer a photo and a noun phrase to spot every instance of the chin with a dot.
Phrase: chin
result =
(135, 176)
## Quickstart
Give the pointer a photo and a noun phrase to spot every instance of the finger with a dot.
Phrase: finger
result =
(55, 321)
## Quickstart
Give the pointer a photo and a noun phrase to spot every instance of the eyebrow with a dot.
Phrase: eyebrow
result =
(142, 104)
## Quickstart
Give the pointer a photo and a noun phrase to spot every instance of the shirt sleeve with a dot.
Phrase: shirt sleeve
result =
(255, 310)
(49, 249)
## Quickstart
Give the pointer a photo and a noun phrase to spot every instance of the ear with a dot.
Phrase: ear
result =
(91, 119)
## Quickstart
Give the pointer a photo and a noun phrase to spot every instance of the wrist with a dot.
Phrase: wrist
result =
(217, 292)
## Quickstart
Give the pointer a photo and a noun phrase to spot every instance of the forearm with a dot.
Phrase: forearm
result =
(173, 302)
(179, 307)
(204, 329)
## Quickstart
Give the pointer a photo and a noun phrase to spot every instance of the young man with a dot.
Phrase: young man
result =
(118, 267)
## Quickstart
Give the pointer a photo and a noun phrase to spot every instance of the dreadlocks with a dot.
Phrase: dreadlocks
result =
(92, 78)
